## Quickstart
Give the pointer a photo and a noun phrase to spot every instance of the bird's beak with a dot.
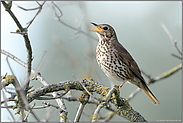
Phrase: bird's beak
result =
(99, 29)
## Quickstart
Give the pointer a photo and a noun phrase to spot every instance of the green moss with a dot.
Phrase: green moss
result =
(94, 117)
(66, 87)
(64, 117)
(10, 79)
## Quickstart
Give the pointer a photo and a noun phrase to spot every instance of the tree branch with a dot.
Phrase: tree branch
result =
(41, 79)
(156, 79)
(171, 38)
(59, 19)
(26, 39)
(123, 107)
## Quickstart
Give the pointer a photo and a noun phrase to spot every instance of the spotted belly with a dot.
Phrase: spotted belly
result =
(107, 58)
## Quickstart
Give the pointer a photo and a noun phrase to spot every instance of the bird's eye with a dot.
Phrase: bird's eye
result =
(105, 28)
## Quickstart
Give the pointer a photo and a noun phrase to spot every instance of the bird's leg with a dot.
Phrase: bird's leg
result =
(121, 85)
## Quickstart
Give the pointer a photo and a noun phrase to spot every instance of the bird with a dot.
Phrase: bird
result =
(116, 62)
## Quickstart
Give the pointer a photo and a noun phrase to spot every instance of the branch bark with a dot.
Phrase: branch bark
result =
(123, 107)
(7, 7)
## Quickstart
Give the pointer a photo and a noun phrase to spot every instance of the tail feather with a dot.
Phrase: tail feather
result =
(150, 94)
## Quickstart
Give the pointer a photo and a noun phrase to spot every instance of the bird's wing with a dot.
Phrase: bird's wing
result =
(128, 60)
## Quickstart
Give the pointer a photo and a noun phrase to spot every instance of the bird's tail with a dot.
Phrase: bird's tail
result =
(149, 93)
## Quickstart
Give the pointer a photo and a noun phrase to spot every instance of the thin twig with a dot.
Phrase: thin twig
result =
(42, 61)
(79, 112)
(27, 9)
(27, 41)
(177, 56)
(40, 8)
(132, 95)
(91, 101)
(50, 98)
(6, 105)
(49, 104)
(105, 102)
(78, 28)
(83, 99)
(41, 79)
(41, 107)
(107, 118)
(84, 87)
(156, 79)
(7, 100)
(29, 112)
(148, 76)
(96, 112)
(4, 76)
(10, 106)
(9, 65)
(57, 107)
(61, 14)
(21, 91)
(59, 19)
(22, 33)
(171, 38)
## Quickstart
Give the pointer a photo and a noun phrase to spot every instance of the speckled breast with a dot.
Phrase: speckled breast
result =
(108, 59)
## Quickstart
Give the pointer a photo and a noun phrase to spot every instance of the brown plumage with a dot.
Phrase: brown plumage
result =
(116, 61)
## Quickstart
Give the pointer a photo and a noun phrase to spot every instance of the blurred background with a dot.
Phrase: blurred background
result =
(138, 27)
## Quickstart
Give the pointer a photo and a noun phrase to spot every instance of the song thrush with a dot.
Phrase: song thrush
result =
(116, 61)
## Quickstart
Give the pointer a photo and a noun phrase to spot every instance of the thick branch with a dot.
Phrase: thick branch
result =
(123, 107)
(26, 39)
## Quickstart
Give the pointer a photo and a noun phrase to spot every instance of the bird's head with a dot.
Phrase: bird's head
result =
(104, 31)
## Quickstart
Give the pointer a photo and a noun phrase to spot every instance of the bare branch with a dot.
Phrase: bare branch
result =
(167, 73)
(59, 19)
(3, 77)
(61, 14)
(42, 60)
(148, 76)
(25, 119)
(171, 38)
(41, 107)
(27, 9)
(123, 107)
(22, 33)
(177, 56)
(105, 102)
(50, 98)
(7, 100)
(6, 105)
(99, 88)
(9, 65)
(24, 99)
(156, 79)
(84, 87)
(91, 101)
(57, 107)
(109, 116)
(79, 112)
(96, 112)
(27, 42)
(83, 99)
(40, 8)
(41, 79)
